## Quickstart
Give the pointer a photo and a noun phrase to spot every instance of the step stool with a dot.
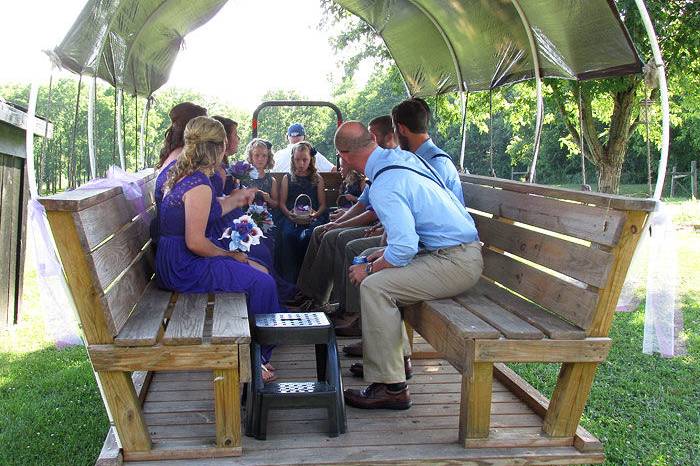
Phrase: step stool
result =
(326, 392)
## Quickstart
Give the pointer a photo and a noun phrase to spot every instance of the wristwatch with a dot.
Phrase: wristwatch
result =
(368, 268)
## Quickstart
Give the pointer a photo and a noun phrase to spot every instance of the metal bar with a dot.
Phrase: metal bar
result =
(92, 91)
(120, 136)
(665, 113)
(538, 80)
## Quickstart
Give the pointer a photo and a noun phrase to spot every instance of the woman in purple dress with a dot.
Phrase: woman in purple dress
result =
(180, 115)
(187, 261)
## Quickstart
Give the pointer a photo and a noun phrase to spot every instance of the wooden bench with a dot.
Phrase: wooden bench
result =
(555, 261)
(130, 325)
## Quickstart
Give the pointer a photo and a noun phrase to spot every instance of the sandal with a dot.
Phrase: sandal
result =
(267, 375)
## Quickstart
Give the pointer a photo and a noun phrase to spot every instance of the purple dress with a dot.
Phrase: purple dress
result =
(179, 269)
(260, 253)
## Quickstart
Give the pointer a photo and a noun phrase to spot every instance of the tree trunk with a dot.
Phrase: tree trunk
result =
(609, 178)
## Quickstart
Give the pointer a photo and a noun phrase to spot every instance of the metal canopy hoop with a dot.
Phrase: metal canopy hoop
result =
(538, 79)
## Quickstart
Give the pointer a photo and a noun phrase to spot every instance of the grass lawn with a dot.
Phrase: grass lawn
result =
(645, 409)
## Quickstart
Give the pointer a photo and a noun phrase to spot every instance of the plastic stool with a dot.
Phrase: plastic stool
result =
(325, 392)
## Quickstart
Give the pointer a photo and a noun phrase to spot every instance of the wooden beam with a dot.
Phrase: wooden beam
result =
(569, 398)
(610, 294)
(475, 403)
(125, 407)
(163, 357)
(587, 197)
(89, 302)
(589, 350)
(583, 440)
(227, 408)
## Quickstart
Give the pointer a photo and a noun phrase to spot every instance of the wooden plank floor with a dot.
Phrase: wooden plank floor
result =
(179, 409)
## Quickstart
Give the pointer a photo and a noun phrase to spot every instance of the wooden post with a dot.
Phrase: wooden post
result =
(673, 181)
(124, 405)
(694, 178)
(575, 379)
(475, 405)
(227, 410)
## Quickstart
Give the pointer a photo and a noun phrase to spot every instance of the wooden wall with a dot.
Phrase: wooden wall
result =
(14, 194)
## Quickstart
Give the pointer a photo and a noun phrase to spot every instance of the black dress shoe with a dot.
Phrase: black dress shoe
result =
(357, 369)
(378, 396)
(354, 350)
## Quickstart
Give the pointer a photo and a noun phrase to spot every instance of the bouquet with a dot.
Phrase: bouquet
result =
(261, 216)
(243, 171)
(243, 234)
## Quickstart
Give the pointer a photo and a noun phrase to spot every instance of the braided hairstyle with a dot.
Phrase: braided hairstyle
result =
(205, 142)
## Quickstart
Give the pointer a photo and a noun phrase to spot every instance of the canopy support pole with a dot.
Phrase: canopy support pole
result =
(465, 104)
(92, 91)
(665, 121)
(120, 137)
(538, 79)
(142, 141)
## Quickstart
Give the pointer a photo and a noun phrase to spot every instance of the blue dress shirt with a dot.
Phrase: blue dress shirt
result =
(443, 165)
(414, 206)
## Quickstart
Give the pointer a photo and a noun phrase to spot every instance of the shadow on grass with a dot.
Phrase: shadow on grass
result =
(644, 408)
(51, 412)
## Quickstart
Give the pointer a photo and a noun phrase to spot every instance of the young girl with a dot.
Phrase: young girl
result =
(260, 156)
(352, 185)
(296, 230)
(186, 260)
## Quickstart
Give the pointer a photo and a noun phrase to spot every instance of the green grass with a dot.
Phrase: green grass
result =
(645, 409)
(50, 408)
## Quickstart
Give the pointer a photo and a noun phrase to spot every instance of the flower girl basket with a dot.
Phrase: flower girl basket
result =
(301, 210)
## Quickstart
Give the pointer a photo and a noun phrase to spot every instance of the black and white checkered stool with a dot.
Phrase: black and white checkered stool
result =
(325, 392)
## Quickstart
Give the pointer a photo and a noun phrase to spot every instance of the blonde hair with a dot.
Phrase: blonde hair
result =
(205, 140)
(307, 147)
(259, 142)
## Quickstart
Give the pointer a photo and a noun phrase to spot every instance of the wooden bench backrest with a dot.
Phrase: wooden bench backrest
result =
(331, 183)
(104, 243)
(565, 250)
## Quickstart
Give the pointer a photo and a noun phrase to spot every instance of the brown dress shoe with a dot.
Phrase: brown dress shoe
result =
(353, 329)
(354, 350)
(357, 369)
(378, 396)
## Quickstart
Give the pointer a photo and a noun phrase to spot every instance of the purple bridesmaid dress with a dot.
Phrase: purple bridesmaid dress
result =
(181, 270)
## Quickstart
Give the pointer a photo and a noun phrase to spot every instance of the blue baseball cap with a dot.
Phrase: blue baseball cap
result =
(296, 129)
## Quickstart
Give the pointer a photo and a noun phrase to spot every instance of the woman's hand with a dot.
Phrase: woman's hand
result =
(244, 196)
(350, 197)
(266, 196)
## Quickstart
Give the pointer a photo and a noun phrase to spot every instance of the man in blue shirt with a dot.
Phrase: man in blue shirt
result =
(432, 252)
(411, 119)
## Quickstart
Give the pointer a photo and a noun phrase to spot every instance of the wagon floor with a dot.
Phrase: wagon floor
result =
(179, 410)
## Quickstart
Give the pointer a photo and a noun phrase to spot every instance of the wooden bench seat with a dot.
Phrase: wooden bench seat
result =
(554, 264)
(131, 325)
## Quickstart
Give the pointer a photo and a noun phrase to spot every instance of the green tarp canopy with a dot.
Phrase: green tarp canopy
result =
(438, 45)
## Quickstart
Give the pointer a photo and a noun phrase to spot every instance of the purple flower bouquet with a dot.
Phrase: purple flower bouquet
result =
(242, 171)
(243, 233)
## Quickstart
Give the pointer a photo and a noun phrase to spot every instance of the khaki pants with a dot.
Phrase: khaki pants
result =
(434, 275)
(322, 269)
